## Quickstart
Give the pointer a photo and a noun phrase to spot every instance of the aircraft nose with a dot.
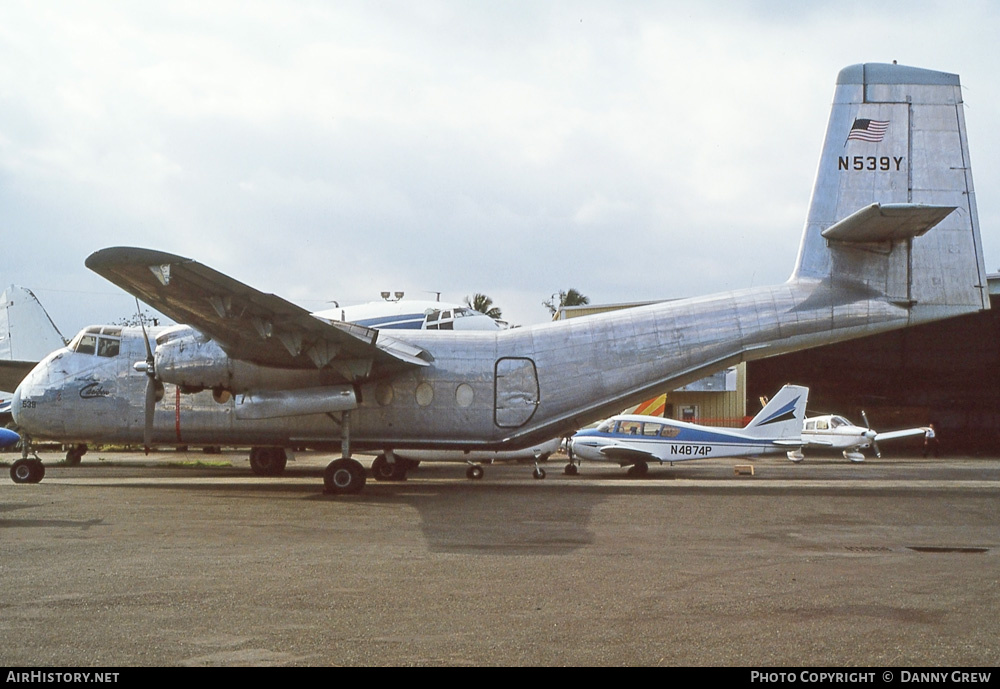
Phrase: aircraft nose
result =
(15, 405)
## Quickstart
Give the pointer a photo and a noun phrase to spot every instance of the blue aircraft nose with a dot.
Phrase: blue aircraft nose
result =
(8, 437)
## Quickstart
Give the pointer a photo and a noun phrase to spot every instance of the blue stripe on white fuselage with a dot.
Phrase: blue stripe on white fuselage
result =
(684, 435)
(407, 321)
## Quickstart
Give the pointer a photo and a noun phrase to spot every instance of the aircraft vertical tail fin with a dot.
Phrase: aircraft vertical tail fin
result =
(893, 210)
(27, 335)
(782, 416)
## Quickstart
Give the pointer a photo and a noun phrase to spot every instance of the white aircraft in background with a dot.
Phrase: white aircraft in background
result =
(837, 433)
(383, 470)
(633, 440)
(413, 314)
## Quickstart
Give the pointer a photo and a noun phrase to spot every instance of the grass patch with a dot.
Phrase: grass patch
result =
(200, 463)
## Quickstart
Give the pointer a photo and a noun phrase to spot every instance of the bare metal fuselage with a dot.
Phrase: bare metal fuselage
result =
(891, 240)
(484, 390)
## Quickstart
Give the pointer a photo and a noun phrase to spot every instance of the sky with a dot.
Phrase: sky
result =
(330, 151)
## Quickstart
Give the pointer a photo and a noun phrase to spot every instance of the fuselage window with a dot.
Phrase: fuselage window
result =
(628, 427)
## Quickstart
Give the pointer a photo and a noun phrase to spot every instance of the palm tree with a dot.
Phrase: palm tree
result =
(570, 297)
(483, 304)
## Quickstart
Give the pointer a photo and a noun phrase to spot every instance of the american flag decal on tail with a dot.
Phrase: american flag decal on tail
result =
(868, 130)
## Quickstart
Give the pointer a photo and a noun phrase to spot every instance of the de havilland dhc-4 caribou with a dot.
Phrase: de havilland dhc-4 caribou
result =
(891, 240)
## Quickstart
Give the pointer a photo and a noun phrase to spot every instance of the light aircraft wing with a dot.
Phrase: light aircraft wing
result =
(790, 442)
(815, 442)
(248, 324)
(906, 433)
(626, 454)
(13, 372)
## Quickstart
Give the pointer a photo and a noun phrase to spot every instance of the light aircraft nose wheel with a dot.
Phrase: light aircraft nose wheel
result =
(474, 472)
(27, 471)
(538, 473)
(344, 476)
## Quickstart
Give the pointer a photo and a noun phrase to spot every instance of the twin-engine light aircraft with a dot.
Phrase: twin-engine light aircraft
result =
(891, 240)
(413, 314)
(834, 432)
(634, 440)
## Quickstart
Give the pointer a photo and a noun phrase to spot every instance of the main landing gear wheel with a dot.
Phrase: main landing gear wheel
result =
(383, 470)
(638, 470)
(75, 453)
(474, 472)
(571, 470)
(344, 476)
(268, 461)
(27, 471)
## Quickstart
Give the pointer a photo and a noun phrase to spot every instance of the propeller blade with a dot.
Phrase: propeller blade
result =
(865, 417)
(148, 409)
(145, 337)
(878, 452)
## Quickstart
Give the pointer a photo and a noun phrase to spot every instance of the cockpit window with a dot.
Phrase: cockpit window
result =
(650, 428)
(86, 344)
(87, 341)
(108, 347)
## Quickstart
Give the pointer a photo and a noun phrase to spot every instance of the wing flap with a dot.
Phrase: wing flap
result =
(884, 222)
(248, 324)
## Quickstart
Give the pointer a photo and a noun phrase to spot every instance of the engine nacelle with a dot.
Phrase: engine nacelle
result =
(188, 359)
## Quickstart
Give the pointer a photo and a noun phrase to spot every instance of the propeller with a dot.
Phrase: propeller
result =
(149, 368)
(871, 434)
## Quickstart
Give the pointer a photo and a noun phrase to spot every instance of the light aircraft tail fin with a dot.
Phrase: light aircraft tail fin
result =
(895, 165)
(782, 417)
(27, 335)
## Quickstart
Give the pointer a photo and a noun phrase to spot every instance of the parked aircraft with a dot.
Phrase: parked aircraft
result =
(282, 377)
(837, 433)
(412, 314)
(8, 438)
(383, 470)
(634, 440)
(27, 334)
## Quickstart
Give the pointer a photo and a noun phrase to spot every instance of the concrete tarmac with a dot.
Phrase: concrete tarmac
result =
(133, 561)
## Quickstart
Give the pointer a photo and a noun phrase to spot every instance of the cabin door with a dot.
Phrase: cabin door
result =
(515, 392)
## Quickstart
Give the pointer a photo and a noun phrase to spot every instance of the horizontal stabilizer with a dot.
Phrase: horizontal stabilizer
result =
(886, 222)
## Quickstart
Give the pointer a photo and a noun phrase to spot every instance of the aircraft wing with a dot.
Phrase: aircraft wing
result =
(627, 455)
(790, 442)
(815, 442)
(248, 324)
(13, 372)
(906, 433)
